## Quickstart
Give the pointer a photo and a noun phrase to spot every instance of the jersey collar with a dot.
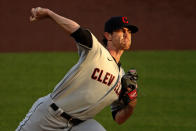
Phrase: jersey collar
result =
(119, 63)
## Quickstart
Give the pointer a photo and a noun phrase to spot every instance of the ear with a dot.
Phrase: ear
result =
(108, 36)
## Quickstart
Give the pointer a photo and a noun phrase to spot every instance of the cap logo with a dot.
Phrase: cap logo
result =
(124, 19)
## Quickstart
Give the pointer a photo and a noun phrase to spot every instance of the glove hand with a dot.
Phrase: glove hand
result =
(129, 86)
(130, 95)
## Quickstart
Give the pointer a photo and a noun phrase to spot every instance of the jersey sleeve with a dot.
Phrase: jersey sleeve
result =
(87, 43)
(83, 37)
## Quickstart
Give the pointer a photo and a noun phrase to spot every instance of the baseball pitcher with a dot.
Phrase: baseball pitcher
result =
(97, 80)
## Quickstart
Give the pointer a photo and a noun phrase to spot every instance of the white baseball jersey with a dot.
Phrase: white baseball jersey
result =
(92, 84)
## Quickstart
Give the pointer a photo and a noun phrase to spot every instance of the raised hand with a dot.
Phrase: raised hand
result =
(38, 13)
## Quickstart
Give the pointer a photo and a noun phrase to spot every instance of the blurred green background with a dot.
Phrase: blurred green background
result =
(167, 99)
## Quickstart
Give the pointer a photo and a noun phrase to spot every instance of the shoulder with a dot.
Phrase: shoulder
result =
(83, 37)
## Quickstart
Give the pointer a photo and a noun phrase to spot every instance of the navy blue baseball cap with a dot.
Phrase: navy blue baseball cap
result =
(119, 22)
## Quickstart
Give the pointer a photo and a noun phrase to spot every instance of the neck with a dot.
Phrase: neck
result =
(116, 53)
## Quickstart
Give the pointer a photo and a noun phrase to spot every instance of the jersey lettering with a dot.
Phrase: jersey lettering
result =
(111, 79)
(93, 76)
(106, 78)
(103, 77)
(117, 88)
(99, 78)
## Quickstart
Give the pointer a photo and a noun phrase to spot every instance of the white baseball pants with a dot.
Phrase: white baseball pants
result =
(41, 117)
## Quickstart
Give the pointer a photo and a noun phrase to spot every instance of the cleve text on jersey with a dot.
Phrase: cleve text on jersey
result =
(103, 77)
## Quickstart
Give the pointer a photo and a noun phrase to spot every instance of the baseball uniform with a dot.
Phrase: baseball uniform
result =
(89, 86)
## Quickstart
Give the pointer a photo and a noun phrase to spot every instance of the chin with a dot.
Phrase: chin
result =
(127, 47)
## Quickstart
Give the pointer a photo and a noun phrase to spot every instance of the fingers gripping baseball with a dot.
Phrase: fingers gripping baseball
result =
(38, 13)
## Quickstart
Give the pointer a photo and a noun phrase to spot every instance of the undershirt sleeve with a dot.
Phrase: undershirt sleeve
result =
(83, 37)
(115, 107)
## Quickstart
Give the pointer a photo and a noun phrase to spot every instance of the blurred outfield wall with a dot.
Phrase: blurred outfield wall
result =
(163, 24)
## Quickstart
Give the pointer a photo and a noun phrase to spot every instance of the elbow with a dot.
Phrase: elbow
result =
(119, 122)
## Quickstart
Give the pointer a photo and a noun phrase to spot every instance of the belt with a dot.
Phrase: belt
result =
(71, 120)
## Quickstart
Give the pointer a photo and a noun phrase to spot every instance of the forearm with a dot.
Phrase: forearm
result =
(41, 13)
(68, 25)
(123, 114)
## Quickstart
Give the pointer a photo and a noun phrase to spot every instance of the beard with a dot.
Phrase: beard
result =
(125, 43)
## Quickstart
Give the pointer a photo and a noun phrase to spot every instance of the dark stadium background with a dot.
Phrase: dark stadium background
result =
(163, 24)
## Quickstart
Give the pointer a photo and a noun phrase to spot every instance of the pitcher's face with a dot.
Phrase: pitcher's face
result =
(121, 38)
